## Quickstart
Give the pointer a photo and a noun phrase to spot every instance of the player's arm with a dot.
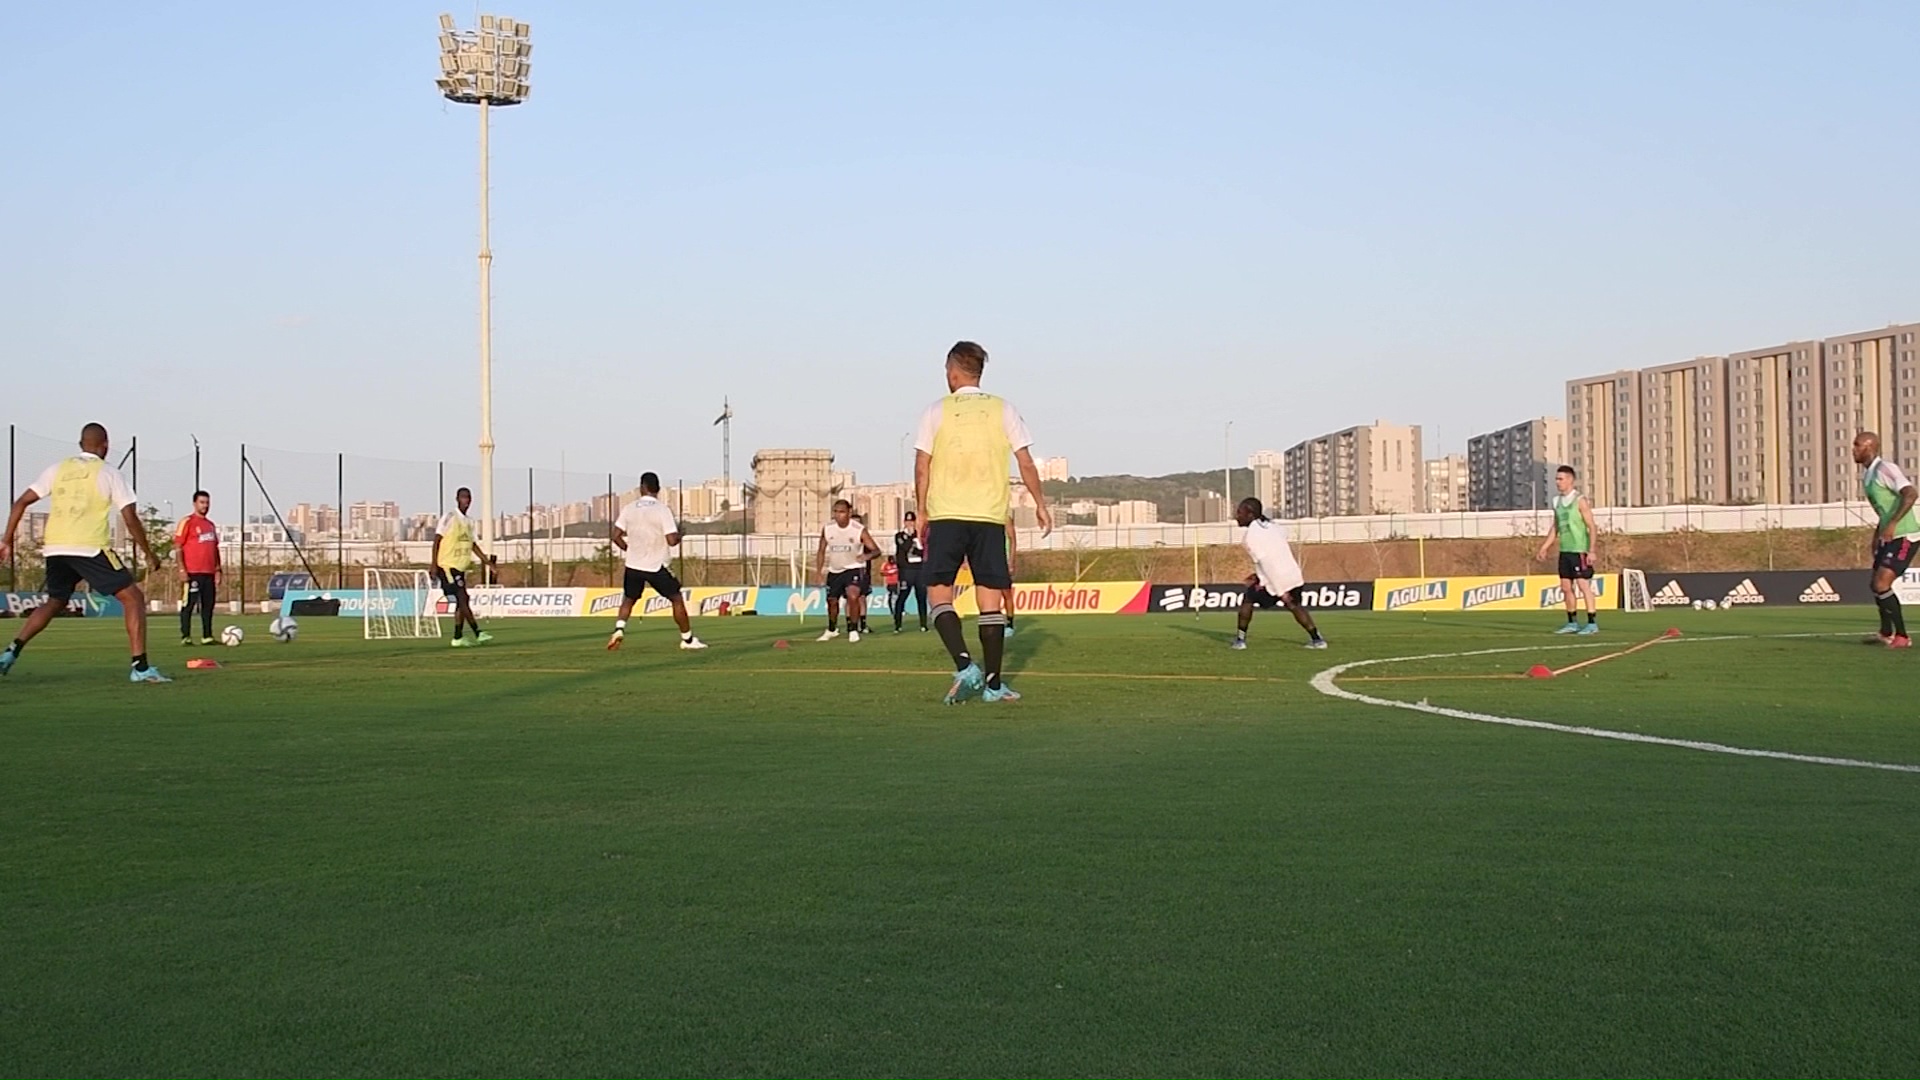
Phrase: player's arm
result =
(1553, 537)
(485, 559)
(868, 547)
(922, 473)
(1593, 530)
(180, 542)
(27, 498)
(820, 559)
(1030, 476)
(1908, 495)
(620, 538)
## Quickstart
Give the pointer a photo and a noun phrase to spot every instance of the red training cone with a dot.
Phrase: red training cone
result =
(781, 644)
(1673, 631)
(1539, 671)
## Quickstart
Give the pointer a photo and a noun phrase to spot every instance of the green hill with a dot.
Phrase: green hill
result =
(1169, 493)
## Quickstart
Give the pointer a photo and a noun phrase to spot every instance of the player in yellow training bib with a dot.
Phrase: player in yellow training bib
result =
(85, 495)
(455, 552)
(967, 443)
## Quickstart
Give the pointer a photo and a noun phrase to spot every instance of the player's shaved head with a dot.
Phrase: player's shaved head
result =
(1866, 447)
(93, 438)
(650, 483)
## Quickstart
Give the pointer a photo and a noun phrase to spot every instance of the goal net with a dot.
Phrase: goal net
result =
(399, 604)
(1633, 591)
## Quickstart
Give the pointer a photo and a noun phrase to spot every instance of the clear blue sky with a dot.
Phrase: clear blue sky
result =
(257, 221)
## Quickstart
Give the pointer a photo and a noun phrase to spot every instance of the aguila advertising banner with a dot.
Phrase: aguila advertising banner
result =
(1518, 592)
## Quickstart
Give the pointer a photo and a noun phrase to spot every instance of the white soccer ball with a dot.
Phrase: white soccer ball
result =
(284, 629)
(1696, 605)
(1710, 604)
(232, 636)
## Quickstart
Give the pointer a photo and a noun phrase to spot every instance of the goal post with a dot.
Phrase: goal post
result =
(1633, 591)
(399, 604)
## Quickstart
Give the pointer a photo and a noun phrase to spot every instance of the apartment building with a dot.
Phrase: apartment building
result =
(1446, 482)
(1374, 469)
(1512, 468)
(1683, 436)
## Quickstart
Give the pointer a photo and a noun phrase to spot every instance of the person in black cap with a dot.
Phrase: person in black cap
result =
(909, 557)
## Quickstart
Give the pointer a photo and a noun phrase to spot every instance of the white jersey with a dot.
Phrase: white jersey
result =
(1273, 560)
(844, 549)
(647, 523)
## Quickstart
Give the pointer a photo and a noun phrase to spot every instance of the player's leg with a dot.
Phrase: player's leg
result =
(1890, 562)
(1006, 608)
(920, 598)
(1583, 580)
(856, 610)
(946, 551)
(632, 585)
(1291, 601)
(897, 603)
(987, 555)
(106, 576)
(1569, 570)
(209, 587)
(835, 586)
(667, 585)
(187, 597)
(1245, 620)
(62, 579)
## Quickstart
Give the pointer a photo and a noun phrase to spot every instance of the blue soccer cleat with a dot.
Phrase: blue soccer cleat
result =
(1589, 629)
(7, 659)
(968, 680)
(1570, 628)
(1005, 693)
(1237, 644)
(151, 675)
(1315, 643)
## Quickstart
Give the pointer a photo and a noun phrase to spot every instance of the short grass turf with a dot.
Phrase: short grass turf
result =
(538, 858)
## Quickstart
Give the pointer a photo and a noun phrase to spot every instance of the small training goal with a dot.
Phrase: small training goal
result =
(399, 604)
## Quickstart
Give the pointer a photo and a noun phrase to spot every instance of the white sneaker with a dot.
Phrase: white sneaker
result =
(828, 636)
(692, 643)
(853, 637)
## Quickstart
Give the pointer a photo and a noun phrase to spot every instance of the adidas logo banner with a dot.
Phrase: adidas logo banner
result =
(1671, 595)
(1820, 592)
(1758, 588)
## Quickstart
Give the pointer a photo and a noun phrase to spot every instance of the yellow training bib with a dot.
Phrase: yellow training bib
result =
(971, 456)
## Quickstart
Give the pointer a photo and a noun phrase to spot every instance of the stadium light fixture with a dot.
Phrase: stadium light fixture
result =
(487, 67)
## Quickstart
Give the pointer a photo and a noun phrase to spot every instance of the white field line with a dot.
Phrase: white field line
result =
(1324, 682)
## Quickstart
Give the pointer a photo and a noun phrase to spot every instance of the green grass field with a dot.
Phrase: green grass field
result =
(539, 858)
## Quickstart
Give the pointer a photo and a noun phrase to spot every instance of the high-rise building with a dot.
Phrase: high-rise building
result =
(1774, 420)
(792, 490)
(1375, 469)
(1683, 432)
(1512, 468)
(1052, 468)
(883, 506)
(1269, 479)
(1446, 483)
(1603, 437)
(373, 521)
(1201, 509)
(1870, 381)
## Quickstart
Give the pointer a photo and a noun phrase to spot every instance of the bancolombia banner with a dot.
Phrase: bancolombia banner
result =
(1319, 595)
(1770, 588)
(20, 604)
(1523, 592)
(1057, 598)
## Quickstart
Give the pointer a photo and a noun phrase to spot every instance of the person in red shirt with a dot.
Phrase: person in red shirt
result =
(198, 542)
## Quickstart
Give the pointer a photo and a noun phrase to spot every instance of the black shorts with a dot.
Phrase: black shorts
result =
(662, 581)
(1259, 597)
(839, 581)
(1895, 555)
(452, 582)
(1578, 566)
(981, 545)
(104, 573)
(199, 587)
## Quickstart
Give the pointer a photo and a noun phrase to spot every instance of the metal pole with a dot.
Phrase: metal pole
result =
(196, 461)
(443, 489)
(680, 515)
(612, 516)
(13, 572)
(486, 346)
(530, 565)
(243, 527)
(1229, 470)
(339, 533)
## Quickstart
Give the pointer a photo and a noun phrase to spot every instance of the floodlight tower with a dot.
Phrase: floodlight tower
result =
(487, 67)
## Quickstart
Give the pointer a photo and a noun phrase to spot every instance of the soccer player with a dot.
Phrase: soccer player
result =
(455, 551)
(1892, 496)
(1276, 579)
(866, 574)
(844, 550)
(910, 556)
(961, 462)
(1574, 530)
(646, 531)
(198, 544)
(85, 493)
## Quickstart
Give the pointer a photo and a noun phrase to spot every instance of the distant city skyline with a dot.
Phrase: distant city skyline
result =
(1156, 218)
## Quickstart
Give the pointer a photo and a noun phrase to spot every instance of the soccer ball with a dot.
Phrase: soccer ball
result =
(1711, 605)
(284, 629)
(1696, 605)
(232, 636)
